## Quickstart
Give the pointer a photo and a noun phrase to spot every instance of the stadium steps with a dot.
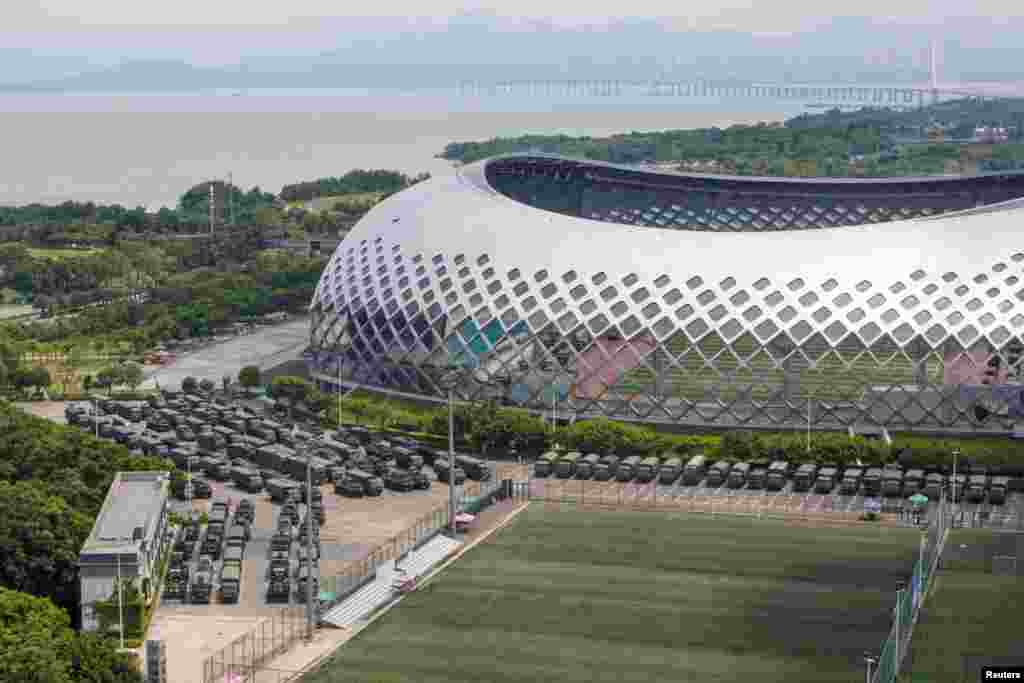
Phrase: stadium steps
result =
(381, 590)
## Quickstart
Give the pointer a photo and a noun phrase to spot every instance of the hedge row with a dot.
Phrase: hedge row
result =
(499, 429)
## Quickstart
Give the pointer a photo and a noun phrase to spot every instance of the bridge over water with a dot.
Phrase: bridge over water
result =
(891, 96)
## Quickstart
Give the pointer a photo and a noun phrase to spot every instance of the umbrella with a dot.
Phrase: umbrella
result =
(919, 499)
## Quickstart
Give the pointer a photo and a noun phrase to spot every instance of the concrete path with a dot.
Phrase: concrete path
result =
(267, 348)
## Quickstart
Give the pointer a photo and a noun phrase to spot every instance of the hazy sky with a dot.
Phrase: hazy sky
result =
(207, 32)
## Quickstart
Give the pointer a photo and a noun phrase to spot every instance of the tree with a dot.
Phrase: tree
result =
(189, 385)
(35, 639)
(249, 376)
(131, 374)
(39, 377)
(106, 379)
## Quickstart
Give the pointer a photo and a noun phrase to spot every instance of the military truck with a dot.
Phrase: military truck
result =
(778, 474)
(585, 466)
(282, 490)
(300, 583)
(934, 484)
(318, 495)
(230, 583)
(545, 465)
(719, 473)
(281, 541)
(185, 433)
(977, 488)
(278, 591)
(627, 468)
(606, 468)
(565, 468)
(233, 555)
(238, 535)
(873, 481)
(738, 475)
(892, 481)
(695, 470)
(442, 468)
(199, 593)
(913, 482)
(398, 479)
(648, 468)
(212, 544)
(408, 458)
(372, 484)
(826, 480)
(475, 468)
(670, 470)
(805, 477)
(757, 477)
(852, 478)
(348, 487)
(997, 490)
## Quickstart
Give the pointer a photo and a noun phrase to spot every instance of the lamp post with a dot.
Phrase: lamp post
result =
(956, 455)
(449, 379)
(96, 417)
(309, 542)
(869, 661)
(188, 486)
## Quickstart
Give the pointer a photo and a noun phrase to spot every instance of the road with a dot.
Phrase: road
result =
(267, 348)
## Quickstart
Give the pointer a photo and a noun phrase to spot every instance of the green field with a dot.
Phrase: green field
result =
(970, 612)
(572, 595)
(61, 254)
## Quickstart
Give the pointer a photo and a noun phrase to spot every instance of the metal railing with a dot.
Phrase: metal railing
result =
(241, 659)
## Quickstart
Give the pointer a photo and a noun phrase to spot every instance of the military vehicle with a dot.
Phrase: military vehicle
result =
(892, 481)
(757, 477)
(199, 593)
(565, 467)
(694, 470)
(738, 475)
(852, 478)
(627, 468)
(246, 510)
(301, 584)
(607, 468)
(430, 455)
(238, 535)
(318, 495)
(230, 584)
(212, 544)
(826, 480)
(281, 541)
(441, 467)
(398, 479)
(805, 477)
(647, 469)
(719, 473)
(372, 484)
(278, 591)
(157, 423)
(977, 488)
(778, 475)
(475, 468)
(407, 458)
(873, 481)
(192, 532)
(913, 482)
(282, 490)
(670, 470)
(175, 588)
(934, 484)
(348, 487)
(545, 465)
(303, 552)
(997, 491)
(421, 479)
(233, 555)
(585, 466)
(185, 433)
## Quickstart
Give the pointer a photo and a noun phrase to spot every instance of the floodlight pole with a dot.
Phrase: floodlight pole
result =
(808, 424)
(956, 454)
(120, 601)
(869, 660)
(309, 544)
(96, 417)
(451, 459)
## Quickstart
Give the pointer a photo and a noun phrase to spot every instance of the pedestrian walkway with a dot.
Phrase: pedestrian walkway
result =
(382, 589)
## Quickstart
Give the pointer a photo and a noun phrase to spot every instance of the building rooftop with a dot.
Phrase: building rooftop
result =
(130, 510)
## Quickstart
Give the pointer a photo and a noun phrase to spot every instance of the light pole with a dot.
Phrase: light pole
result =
(96, 417)
(449, 379)
(869, 660)
(956, 455)
(309, 542)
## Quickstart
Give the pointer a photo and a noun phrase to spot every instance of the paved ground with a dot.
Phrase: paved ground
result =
(51, 410)
(267, 348)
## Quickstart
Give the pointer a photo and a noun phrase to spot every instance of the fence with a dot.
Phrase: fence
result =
(357, 574)
(909, 598)
(238, 661)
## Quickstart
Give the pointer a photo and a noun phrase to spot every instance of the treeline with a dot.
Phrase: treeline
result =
(52, 483)
(968, 114)
(357, 181)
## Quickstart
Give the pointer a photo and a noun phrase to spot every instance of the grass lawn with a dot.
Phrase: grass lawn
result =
(574, 595)
(969, 611)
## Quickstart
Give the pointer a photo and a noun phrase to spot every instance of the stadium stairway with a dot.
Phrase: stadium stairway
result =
(382, 590)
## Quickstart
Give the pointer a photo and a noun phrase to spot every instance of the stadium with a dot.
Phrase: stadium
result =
(690, 300)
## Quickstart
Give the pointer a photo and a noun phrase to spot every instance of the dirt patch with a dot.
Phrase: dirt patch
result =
(51, 410)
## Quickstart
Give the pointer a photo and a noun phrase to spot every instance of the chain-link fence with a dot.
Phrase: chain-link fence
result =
(241, 659)
(909, 598)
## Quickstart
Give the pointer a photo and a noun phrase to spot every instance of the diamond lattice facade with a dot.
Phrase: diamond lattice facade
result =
(687, 299)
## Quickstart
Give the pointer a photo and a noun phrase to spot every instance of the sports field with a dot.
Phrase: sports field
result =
(580, 595)
(972, 617)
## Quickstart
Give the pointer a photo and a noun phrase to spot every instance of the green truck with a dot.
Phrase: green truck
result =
(545, 465)
(805, 477)
(230, 583)
(778, 476)
(565, 468)
(585, 466)
(719, 473)
(695, 470)
(670, 470)
(647, 469)
(606, 468)
(852, 478)
(738, 475)
(627, 468)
